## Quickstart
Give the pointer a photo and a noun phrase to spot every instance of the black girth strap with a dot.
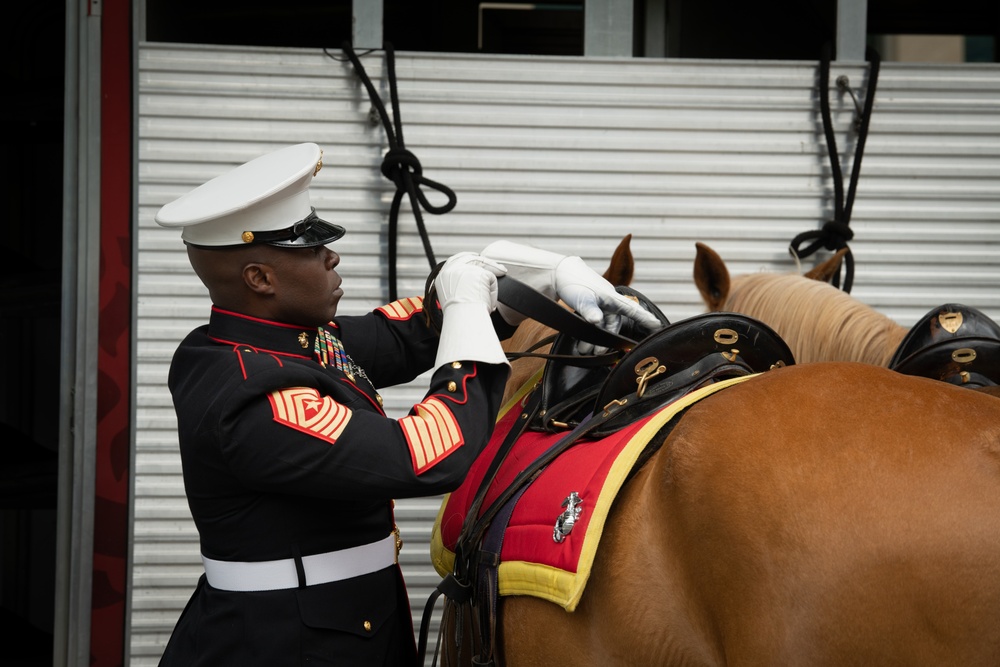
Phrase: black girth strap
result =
(835, 234)
(401, 166)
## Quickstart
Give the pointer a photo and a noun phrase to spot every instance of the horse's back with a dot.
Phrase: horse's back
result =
(822, 514)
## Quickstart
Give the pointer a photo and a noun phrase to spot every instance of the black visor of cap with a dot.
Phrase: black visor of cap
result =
(307, 233)
(312, 231)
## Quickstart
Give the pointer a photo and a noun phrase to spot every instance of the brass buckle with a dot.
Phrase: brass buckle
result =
(646, 369)
(399, 542)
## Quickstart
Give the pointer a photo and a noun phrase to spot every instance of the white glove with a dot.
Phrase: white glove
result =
(570, 279)
(467, 291)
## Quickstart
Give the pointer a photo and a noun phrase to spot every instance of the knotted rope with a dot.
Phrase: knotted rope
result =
(835, 233)
(401, 166)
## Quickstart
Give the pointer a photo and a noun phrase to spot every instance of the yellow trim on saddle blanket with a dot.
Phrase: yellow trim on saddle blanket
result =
(443, 558)
(560, 586)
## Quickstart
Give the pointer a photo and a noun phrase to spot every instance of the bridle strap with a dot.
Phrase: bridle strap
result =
(537, 306)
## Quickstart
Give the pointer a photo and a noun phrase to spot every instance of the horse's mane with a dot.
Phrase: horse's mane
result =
(818, 321)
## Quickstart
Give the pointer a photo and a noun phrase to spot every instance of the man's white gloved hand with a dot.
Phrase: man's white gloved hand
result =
(468, 278)
(467, 291)
(570, 279)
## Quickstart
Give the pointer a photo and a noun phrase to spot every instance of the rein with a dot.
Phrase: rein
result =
(401, 166)
(528, 302)
(458, 586)
(835, 234)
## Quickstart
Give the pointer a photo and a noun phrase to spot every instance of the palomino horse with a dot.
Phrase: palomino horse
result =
(818, 321)
(816, 514)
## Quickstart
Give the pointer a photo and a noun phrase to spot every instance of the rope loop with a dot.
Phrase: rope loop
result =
(403, 168)
(836, 235)
(833, 236)
(396, 162)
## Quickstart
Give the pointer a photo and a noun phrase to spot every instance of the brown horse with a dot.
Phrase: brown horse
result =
(819, 514)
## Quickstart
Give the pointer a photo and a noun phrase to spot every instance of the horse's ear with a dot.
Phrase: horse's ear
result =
(711, 276)
(622, 267)
(827, 270)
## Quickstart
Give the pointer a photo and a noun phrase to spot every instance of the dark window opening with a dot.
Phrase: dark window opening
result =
(735, 29)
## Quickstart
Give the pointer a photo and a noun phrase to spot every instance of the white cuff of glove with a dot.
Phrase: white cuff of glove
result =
(532, 266)
(467, 334)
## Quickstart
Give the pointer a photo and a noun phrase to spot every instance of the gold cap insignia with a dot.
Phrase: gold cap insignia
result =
(247, 237)
(319, 163)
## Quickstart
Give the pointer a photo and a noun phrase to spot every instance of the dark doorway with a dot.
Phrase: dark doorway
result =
(30, 325)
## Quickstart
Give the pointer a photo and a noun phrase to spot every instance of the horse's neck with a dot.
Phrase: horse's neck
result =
(819, 322)
(867, 340)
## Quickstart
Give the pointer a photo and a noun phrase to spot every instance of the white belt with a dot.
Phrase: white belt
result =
(273, 575)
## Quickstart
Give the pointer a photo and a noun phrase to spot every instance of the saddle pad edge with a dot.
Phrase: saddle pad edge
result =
(442, 558)
(564, 587)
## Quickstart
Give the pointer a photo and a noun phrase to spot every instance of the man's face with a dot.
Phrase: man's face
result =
(306, 286)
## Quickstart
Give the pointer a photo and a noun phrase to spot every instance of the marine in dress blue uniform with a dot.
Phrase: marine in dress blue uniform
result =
(290, 463)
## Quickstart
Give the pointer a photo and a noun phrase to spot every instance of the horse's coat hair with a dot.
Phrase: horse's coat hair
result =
(821, 514)
(818, 321)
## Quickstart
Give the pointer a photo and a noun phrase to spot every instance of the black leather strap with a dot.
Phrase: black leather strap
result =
(537, 306)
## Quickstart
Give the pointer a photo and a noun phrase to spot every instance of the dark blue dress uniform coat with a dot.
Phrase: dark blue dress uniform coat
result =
(284, 456)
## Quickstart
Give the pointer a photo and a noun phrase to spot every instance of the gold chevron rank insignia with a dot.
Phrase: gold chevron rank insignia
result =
(432, 434)
(402, 309)
(303, 408)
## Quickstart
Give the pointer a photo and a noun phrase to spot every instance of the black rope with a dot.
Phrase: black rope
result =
(836, 233)
(401, 166)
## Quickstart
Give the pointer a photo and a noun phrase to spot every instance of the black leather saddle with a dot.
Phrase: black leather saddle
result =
(954, 343)
(646, 369)
(687, 355)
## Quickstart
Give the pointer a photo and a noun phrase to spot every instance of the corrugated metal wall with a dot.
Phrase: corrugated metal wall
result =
(568, 154)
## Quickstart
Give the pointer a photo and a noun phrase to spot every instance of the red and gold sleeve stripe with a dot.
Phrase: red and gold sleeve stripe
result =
(304, 409)
(402, 309)
(432, 434)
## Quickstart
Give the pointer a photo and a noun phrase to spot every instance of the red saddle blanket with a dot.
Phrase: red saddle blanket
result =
(532, 561)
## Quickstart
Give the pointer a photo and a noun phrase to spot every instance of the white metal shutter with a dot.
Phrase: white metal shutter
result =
(567, 154)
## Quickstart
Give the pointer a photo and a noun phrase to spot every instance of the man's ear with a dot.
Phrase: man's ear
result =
(259, 277)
